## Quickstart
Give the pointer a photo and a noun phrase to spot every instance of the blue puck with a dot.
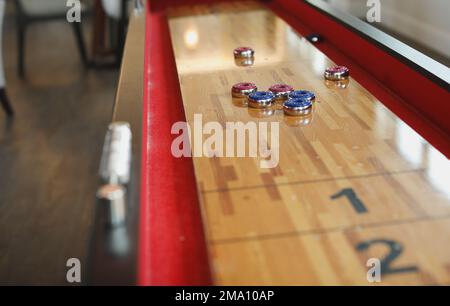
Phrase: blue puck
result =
(303, 94)
(260, 99)
(297, 107)
(261, 95)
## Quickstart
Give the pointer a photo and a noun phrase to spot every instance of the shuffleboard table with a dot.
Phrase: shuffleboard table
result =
(365, 175)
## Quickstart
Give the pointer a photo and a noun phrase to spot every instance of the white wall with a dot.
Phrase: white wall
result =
(424, 21)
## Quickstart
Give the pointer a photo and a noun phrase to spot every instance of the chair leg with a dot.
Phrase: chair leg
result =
(80, 42)
(21, 36)
(5, 103)
(120, 42)
(121, 31)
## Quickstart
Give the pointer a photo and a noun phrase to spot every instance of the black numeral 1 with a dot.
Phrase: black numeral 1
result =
(350, 194)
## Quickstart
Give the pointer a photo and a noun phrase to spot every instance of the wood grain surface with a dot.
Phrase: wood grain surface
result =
(353, 182)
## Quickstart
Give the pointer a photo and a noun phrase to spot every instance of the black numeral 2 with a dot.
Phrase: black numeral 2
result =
(350, 194)
(395, 250)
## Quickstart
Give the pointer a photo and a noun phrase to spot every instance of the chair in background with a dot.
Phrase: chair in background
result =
(31, 11)
(3, 96)
(117, 11)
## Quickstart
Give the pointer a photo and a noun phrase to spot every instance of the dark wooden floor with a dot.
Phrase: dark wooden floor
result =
(49, 154)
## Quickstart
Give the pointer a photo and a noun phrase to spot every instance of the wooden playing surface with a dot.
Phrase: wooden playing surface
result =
(353, 181)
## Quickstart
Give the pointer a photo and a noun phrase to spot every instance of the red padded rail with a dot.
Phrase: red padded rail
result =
(172, 249)
(421, 103)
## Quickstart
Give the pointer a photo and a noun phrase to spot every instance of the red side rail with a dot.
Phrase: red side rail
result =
(421, 103)
(172, 248)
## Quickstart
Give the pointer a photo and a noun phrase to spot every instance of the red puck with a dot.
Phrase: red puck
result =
(243, 52)
(281, 91)
(243, 89)
(337, 73)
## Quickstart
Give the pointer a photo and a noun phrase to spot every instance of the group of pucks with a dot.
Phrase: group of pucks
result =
(295, 102)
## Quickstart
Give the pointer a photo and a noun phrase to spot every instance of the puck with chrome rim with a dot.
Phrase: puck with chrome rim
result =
(281, 91)
(260, 99)
(243, 52)
(297, 107)
(337, 73)
(302, 94)
(243, 89)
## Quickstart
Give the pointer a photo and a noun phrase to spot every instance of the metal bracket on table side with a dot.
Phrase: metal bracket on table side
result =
(114, 171)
